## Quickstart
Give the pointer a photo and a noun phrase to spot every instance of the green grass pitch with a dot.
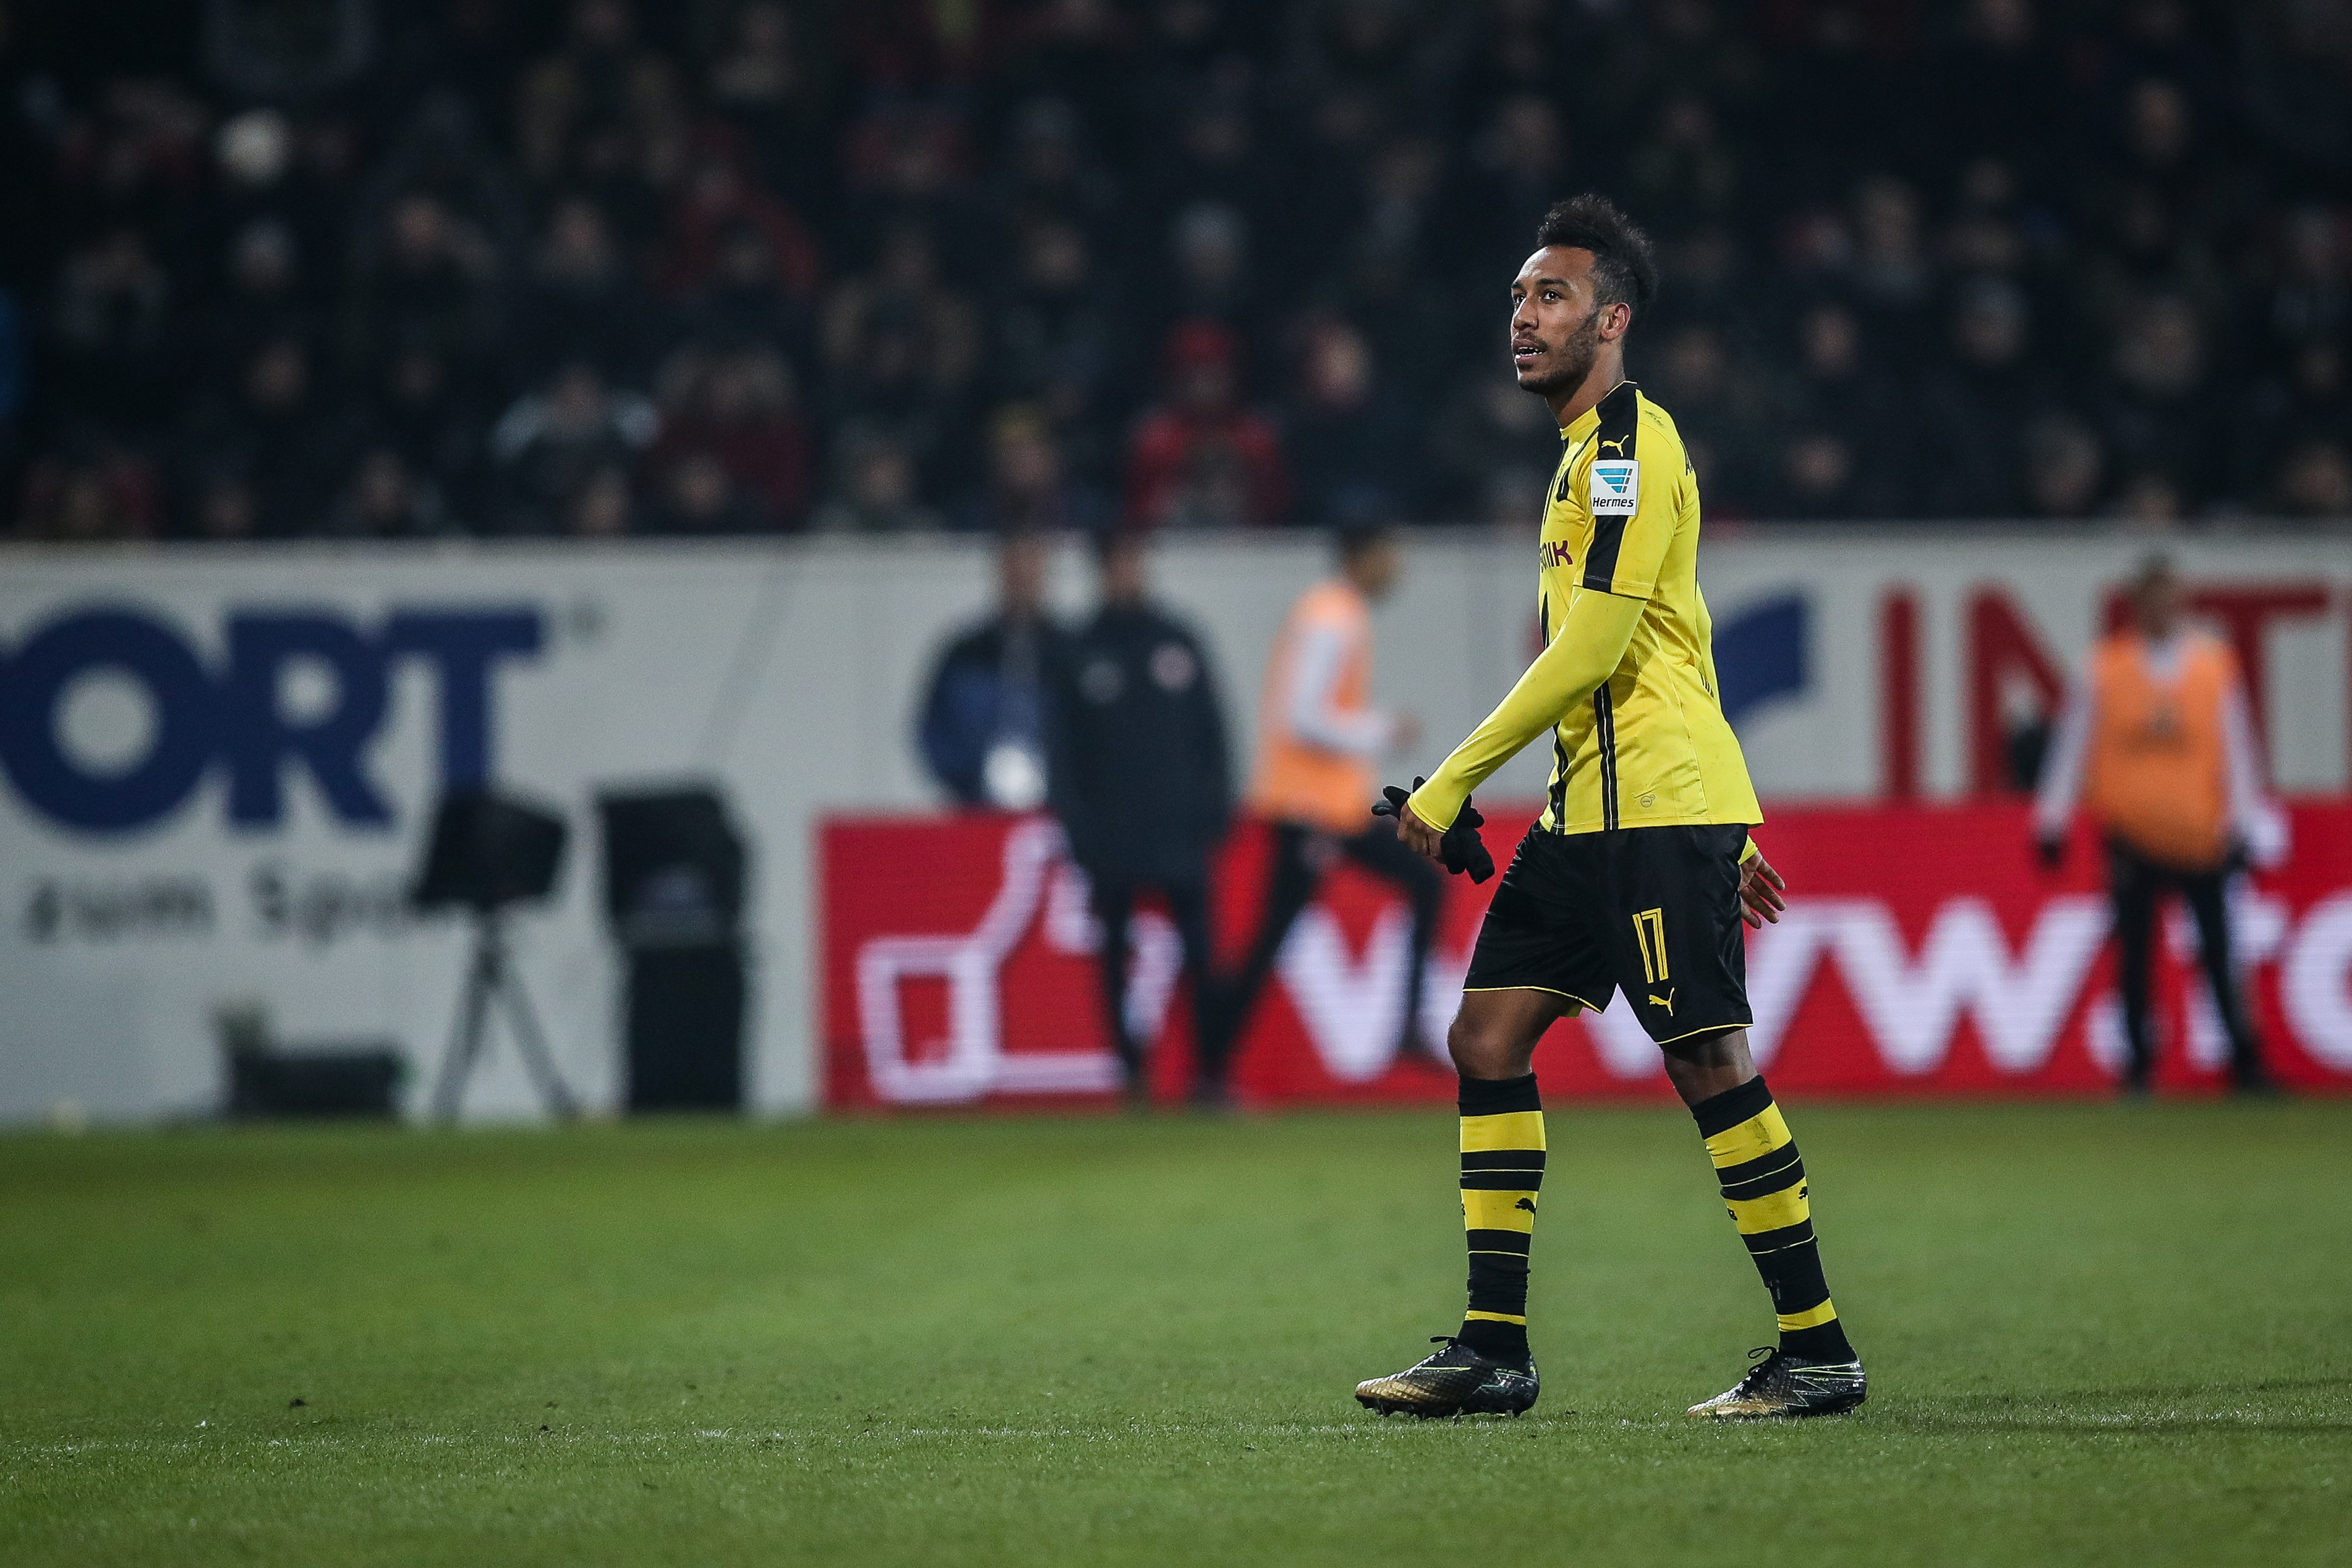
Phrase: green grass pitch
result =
(2095, 1333)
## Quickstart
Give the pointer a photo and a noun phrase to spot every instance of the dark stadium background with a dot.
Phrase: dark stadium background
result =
(482, 267)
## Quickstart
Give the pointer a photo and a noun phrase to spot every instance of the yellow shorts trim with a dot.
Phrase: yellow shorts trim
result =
(1711, 1029)
(1490, 989)
(1811, 1318)
(1504, 1130)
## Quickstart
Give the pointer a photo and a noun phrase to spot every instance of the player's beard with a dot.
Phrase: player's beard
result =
(1574, 357)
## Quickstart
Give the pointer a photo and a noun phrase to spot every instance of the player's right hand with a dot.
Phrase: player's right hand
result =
(1419, 836)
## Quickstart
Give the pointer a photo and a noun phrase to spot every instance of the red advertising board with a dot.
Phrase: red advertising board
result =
(1925, 951)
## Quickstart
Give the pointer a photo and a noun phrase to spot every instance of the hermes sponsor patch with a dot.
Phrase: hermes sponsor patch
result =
(1616, 484)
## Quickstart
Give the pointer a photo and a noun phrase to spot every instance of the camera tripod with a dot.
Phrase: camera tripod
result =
(491, 978)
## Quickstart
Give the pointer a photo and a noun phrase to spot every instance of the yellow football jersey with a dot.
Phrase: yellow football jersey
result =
(1651, 748)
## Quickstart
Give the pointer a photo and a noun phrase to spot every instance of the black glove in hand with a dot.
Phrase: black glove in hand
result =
(1461, 848)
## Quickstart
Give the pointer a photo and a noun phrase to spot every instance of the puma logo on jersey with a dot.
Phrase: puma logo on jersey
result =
(1526, 1204)
(1619, 444)
(1668, 1000)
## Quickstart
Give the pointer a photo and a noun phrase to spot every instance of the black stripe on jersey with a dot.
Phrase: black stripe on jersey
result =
(1605, 729)
(1559, 751)
(1621, 419)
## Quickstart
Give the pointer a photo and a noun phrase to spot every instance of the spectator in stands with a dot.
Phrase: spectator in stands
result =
(697, 495)
(1518, 168)
(584, 109)
(433, 418)
(906, 164)
(1498, 448)
(263, 294)
(1976, 411)
(1891, 279)
(114, 329)
(604, 506)
(1051, 175)
(430, 281)
(385, 499)
(982, 728)
(1216, 160)
(577, 299)
(2310, 303)
(274, 421)
(1686, 173)
(768, 79)
(905, 290)
(551, 440)
(2317, 482)
(1844, 452)
(101, 494)
(742, 298)
(721, 203)
(1137, 771)
(2063, 467)
(1029, 489)
(1354, 443)
(1210, 276)
(224, 508)
(2155, 414)
(877, 489)
(1717, 409)
(738, 407)
(1057, 340)
(1200, 459)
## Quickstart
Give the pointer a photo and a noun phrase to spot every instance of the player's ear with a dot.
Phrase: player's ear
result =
(1615, 318)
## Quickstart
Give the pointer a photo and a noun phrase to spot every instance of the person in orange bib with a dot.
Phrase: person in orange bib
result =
(2156, 745)
(1318, 736)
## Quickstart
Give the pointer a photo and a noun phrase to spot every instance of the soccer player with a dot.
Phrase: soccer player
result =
(1639, 872)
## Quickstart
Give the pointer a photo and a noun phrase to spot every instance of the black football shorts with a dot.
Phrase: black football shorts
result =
(1651, 911)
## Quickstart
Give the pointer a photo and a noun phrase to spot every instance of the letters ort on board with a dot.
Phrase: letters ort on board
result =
(233, 715)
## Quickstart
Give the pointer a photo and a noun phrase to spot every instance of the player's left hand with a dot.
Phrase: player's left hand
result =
(1760, 889)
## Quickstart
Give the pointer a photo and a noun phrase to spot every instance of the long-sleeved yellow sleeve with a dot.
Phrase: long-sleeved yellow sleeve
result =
(1592, 640)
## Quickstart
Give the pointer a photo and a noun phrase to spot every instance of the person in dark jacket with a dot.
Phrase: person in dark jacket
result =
(983, 729)
(1140, 778)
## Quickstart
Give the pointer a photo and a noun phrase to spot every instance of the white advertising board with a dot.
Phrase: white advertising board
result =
(216, 766)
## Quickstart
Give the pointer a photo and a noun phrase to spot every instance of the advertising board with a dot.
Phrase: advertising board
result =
(1924, 952)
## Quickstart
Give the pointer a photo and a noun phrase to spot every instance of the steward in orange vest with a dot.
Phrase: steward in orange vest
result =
(2157, 745)
(1318, 736)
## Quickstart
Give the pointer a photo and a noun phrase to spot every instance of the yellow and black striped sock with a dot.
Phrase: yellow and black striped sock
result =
(1764, 1186)
(1502, 1171)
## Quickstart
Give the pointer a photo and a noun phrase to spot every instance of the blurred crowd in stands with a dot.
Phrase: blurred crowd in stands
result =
(361, 269)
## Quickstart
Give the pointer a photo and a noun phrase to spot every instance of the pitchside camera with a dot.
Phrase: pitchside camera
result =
(489, 853)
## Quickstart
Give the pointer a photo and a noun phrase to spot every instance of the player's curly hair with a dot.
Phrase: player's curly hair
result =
(1624, 264)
